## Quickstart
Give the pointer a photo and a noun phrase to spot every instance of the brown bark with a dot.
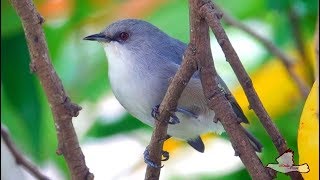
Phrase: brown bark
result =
(169, 104)
(212, 17)
(199, 54)
(216, 98)
(20, 160)
(62, 108)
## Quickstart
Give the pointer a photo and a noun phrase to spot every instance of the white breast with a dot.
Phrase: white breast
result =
(128, 82)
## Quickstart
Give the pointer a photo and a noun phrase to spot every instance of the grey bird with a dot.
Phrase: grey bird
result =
(142, 60)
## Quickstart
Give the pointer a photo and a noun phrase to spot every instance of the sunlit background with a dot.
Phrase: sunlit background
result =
(113, 141)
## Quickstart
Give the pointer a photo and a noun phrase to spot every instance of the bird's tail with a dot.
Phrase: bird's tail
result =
(254, 141)
(303, 168)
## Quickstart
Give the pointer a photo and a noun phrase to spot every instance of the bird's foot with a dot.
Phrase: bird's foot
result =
(149, 162)
(173, 118)
(165, 155)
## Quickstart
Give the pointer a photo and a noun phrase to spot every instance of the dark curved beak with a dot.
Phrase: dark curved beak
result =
(98, 37)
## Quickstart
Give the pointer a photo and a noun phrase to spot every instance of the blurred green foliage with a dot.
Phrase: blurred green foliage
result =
(82, 68)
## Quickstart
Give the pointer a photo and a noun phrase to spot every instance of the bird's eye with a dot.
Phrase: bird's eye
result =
(123, 36)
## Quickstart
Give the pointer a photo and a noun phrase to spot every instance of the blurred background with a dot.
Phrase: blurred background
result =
(113, 141)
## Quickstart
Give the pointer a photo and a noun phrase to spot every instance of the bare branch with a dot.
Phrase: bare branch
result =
(211, 15)
(286, 60)
(215, 97)
(62, 108)
(297, 35)
(296, 30)
(19, 157)
(199, 49)
(316, 45)
(169, 104)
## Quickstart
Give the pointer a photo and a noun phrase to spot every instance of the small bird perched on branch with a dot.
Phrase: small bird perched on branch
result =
(141, 60)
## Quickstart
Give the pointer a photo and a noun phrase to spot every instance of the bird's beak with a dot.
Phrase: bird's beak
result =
(98, 37)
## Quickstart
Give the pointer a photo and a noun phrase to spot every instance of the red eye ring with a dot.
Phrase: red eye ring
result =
(123, 36)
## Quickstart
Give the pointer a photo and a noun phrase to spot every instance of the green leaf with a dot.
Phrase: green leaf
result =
(20, 88)
(244, 9)
(82, 66)
(126, 124)
(178, 12)
(281, 6)
(10, 23)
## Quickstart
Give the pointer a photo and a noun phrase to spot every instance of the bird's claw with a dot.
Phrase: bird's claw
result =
(149, 162)
(173, 118)
(166, 156)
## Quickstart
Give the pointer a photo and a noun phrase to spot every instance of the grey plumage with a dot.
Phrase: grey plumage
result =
(142, 59)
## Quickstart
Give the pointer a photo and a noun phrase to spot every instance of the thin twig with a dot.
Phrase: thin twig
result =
(19, 157)
(296, 32)
(216, 98)
(316, 48)
(298, 40)
(62, 108)
(286, 60)
(211, 15)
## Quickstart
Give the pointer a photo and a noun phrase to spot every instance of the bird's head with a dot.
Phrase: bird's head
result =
(131, 34)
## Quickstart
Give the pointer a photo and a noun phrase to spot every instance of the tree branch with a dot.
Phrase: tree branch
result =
(211, 15)
(316, 45)
(169, 104)
(216, 98)
(296, 30)
(62, 108)
(199, 49)
(19, 157)
(284, 58)
(298, 40)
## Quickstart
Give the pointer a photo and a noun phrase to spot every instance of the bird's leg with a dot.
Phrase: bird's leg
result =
(155, 114)
(149, 162)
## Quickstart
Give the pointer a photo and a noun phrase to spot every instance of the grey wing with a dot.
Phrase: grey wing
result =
(194, 94)
(195, 81)
(234, 104)
(192, 98)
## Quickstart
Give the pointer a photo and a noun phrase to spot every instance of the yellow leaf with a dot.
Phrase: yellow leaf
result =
(308, 134)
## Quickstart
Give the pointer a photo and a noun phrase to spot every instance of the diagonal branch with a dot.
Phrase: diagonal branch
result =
(62, 108)
(316, 48)
(297, 35)
(169, 104)
(19, 157)
(199, 49)
(216, 98)
(286, 60)
(212, 17)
